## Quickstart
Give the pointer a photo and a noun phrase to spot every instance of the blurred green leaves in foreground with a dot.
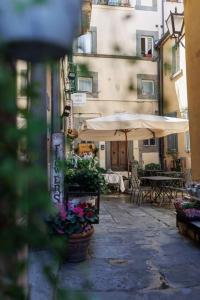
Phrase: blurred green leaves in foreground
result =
(24, 196)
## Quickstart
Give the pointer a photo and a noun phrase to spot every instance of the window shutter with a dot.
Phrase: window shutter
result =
(143, 50)
(172, 139)
(178, 58)
(187, 141)
(173, 61)
(149, 45)
(94, 40)
(75, 46)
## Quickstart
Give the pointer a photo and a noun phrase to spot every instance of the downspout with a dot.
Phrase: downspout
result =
(160, 88)
(160, 101)
(163, 18)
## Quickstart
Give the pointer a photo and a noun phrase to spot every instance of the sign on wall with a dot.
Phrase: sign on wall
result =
(57, 175)
(86, 148)
(79, 99)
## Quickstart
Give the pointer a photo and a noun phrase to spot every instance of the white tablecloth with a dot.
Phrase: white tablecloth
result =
(116, 179)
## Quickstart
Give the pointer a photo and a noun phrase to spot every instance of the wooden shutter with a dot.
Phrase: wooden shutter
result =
(172, 139)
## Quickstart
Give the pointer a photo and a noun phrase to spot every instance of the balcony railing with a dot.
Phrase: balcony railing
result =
(112, 2)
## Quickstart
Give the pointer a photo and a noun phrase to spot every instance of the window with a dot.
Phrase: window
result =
(23, 81)
(114, 2)
(85, 84)
(179, 1)
(172, 139)
(86, 43)
(175, 59)
(147, 46)
(146, 86)
(146, 2)
(145, 43)
(172, 143)
(186, 135)
(149, 142)
(187, 141)
(148, 5)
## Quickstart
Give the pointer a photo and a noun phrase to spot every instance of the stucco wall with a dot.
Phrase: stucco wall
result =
(117, 27)
(175, 95)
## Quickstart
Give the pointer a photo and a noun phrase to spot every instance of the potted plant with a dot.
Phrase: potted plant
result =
(83, 174)
(35, 30)
(74, 225)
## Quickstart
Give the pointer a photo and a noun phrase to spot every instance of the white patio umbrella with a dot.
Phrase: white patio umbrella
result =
(124, 127)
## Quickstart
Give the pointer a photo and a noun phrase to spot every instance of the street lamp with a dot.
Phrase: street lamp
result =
(175, 25)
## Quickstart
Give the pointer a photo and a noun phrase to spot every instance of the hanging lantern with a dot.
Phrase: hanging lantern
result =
(39, 30)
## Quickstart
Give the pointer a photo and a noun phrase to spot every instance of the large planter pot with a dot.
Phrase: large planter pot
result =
(38, 31)
(77, 248)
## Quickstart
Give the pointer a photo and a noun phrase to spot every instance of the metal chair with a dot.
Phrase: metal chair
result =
(138, 192)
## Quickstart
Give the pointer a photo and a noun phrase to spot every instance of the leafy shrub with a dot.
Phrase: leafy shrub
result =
(85, 173)
(152, 166)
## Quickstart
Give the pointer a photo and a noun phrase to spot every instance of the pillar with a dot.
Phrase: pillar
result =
(192, 38)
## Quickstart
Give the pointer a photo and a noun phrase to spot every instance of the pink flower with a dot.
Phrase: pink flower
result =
(78, 211)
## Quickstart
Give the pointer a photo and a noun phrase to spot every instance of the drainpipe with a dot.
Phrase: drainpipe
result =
(163, 18)
(55, 92)
(160, 101)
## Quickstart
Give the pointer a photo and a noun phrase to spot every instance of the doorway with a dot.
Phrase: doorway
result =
(118, 156)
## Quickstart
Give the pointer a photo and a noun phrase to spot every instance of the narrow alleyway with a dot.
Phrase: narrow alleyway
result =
(136, 253)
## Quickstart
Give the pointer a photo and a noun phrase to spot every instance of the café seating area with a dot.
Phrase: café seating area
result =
(160, 187)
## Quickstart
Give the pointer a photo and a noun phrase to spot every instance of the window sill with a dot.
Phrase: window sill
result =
(109, 6)
(89, 95)
(146, 99)
(177, 74)
(148, 58)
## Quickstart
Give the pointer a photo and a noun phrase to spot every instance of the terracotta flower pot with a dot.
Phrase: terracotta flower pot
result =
(38, 31)
(77, 248)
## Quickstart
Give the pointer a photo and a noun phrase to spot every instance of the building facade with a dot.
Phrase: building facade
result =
(173, 100)
(117, 70)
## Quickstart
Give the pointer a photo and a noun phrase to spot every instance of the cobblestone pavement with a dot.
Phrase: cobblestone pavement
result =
(136, 253)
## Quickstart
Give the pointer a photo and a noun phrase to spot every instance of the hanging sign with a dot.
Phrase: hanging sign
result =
(86, 148)
(57, 175)
(79, 99)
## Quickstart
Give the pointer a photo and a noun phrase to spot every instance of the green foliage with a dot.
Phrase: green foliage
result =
(152, 166)
(85, 173)
(24, 197)
(167, 68)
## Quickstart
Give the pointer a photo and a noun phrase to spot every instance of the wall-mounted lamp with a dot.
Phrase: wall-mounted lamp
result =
(66, 111)
(175, 25)
(71, 75)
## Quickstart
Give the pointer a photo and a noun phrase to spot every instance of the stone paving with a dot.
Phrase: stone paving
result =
(136, 253)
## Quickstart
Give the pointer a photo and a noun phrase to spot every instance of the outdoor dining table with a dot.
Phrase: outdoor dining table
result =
(171, 173)
(114, 178)
(149, 172)
(162, 187)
